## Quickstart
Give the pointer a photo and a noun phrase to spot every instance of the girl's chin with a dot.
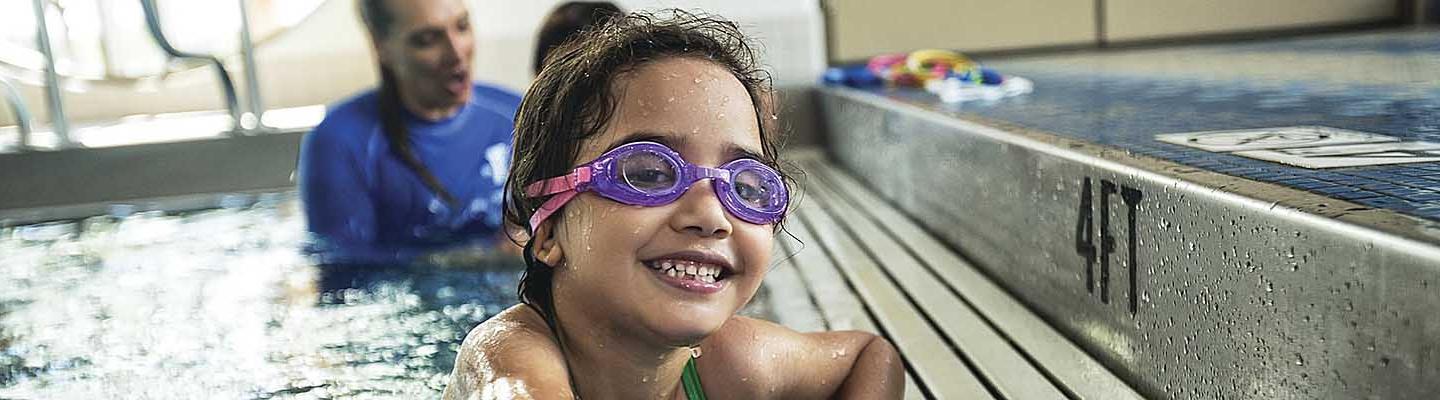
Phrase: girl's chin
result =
(690, 326)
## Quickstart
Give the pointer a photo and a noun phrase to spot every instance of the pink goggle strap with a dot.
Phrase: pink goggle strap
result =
(563, 187)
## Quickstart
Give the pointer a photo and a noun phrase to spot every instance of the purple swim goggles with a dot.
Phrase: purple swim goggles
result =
(650, 174)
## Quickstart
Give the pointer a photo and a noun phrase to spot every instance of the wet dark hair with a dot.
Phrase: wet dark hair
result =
(574, 98)
(567, 20)
(378, 20)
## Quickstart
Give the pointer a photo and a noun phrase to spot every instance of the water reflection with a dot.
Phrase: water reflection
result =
(222, 303)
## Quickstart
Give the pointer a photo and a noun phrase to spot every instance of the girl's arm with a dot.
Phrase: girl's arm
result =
(819, 365)
(877, 373)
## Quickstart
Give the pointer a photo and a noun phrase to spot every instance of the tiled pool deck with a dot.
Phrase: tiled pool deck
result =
(1385, 83)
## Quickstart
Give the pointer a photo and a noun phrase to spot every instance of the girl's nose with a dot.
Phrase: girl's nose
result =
(699, 212)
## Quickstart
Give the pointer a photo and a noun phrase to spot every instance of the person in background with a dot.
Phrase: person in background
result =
(565, 21)
(416, 166)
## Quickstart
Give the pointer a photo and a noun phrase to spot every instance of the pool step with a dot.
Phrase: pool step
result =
(1186, 283)
(868, 267)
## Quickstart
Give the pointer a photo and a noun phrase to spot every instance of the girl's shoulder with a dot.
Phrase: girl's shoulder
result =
(519, 323)
(513, 345)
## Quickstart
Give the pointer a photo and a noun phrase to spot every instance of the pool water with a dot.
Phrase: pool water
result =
(221, 304)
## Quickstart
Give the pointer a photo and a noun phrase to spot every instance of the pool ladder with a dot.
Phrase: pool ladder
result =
(243, 121)
(19, 110)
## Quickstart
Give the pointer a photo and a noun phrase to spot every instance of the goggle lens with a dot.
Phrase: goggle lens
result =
(648, 172)
(758, 189)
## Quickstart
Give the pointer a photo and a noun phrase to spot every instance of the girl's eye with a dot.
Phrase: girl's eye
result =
(750, 193)
(647, 172)
(753, 188)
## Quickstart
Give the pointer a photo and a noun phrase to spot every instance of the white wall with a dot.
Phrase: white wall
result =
(865, 28)
(327, 57)
(791, 33)
(1153, 19)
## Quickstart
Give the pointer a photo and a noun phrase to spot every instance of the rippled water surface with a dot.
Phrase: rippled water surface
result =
(221, 305)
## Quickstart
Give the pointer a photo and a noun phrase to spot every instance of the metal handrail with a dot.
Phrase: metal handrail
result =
(21, 112)
(232, 102)
(252, 80)
(58, 122)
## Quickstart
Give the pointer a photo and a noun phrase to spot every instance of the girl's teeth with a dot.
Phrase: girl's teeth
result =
(685, 269)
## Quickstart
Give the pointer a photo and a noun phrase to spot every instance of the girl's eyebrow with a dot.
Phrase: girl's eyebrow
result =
(643, 136)
(732, 151)
(736, 152)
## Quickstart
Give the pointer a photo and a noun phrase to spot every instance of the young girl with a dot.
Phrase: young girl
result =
(648, 182)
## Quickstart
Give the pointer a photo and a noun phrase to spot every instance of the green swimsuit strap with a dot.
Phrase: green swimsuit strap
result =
(691, 379)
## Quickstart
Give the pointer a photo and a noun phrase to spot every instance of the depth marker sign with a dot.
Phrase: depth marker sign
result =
(1311, 147)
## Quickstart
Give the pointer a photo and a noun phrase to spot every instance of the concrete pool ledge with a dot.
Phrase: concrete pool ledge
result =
(1187, 283)
(73, 183)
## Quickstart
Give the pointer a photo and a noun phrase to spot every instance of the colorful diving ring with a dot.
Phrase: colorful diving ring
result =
(936, 64)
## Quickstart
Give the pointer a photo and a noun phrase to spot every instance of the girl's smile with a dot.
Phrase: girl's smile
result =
(693, 271)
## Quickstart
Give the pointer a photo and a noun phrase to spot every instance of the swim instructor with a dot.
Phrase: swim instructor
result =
(418, 164)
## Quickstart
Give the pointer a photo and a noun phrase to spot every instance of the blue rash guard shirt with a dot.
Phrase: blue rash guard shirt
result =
(363, 205)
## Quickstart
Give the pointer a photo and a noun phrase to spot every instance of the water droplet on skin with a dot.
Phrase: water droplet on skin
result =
(697, 80)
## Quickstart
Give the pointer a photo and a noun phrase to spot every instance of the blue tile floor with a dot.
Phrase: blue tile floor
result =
(1386, 83)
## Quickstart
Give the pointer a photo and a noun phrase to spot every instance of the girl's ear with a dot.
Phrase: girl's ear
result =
(547, 247)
